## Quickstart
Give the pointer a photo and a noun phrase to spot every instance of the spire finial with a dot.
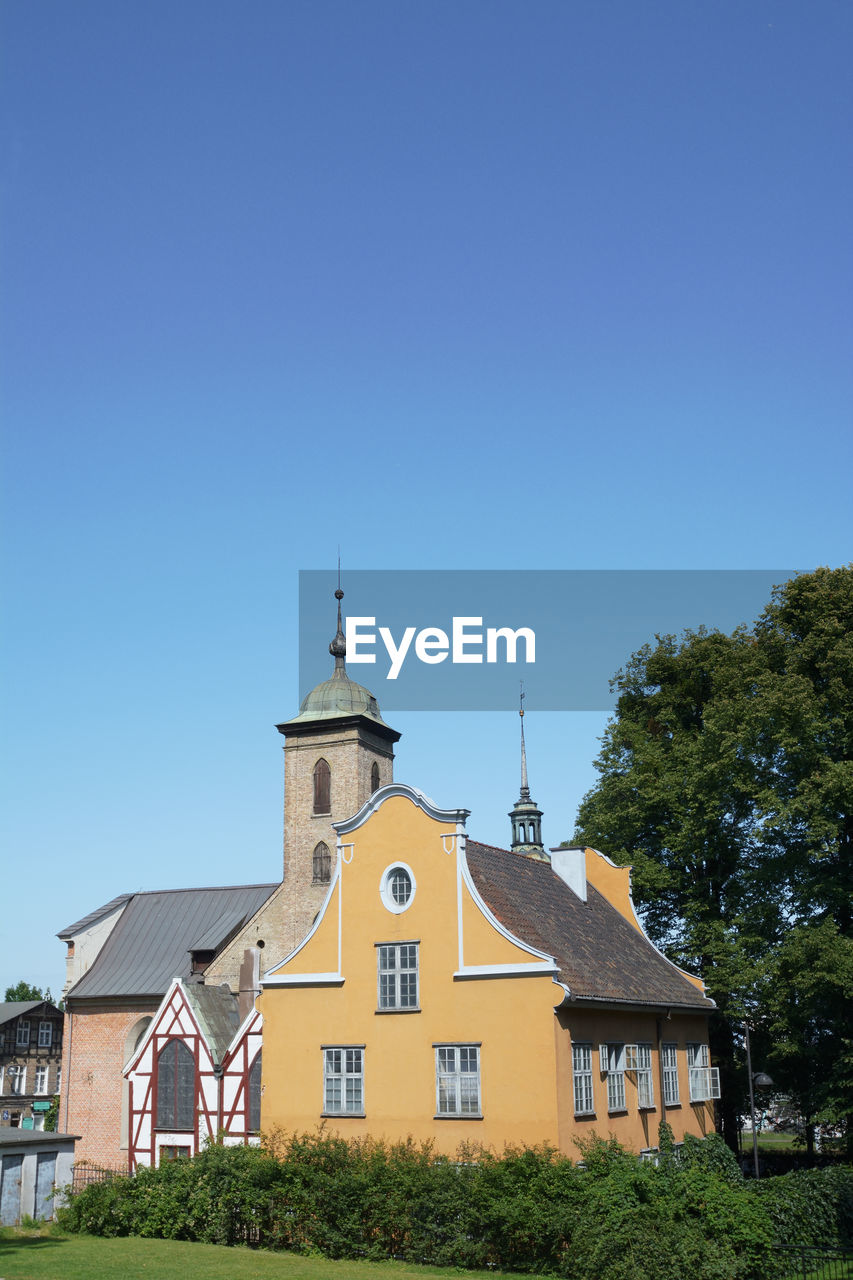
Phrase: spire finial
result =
(525, 789)
(338, 647)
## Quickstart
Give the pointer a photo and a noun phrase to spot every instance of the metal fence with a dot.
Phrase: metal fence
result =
(84, 1173)
(799, 1262)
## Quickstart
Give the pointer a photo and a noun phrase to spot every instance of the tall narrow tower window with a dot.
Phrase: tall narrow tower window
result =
(322, 864)
(322, 787)
(374, 777)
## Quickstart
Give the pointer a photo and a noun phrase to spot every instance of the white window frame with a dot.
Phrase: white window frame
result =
(343, 1080)
(398, 976)
(457, 1082)
(17, 1081)
(42, 1077)
(45, 1035)
(638, 1060)
(22, 1035)
(669, 1069)
(584, 1097)
(58, 1078)
(389, 888)
(612, 1062)
(704, 1079)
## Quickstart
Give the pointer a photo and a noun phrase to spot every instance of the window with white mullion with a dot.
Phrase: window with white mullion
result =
(22, 1036)
(582, 1079)
(704, 1079)
(41, 1079)
(343, 1081)
(397, 975)
(645, 1082)
(669, 1060)
(457, 1080)
(612, 1062)
(45, 1035)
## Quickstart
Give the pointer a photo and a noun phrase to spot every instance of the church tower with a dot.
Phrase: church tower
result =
(337, 751)
(526, 819)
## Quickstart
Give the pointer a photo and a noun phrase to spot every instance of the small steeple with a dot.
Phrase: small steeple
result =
(338, 647)
(526, 819)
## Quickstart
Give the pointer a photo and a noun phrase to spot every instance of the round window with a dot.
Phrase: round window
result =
(397, 887)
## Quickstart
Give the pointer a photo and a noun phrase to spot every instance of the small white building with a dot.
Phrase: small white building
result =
(33, 1166)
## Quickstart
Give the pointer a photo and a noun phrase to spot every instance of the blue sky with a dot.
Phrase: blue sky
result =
(452, 285)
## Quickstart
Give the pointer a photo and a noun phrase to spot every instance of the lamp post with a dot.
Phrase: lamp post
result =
(758, 1081)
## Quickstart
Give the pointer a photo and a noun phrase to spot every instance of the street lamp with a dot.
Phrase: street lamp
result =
(761, 1080)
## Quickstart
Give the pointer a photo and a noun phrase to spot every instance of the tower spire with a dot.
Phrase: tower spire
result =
(338, 647)
(525, 817)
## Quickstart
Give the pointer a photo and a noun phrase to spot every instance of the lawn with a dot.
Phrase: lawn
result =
(46, 1256)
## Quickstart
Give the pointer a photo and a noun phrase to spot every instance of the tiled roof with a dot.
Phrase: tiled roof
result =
(600, 955)
(149, 944)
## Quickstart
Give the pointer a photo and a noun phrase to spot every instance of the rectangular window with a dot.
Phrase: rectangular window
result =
(343, 1081)
(171, 1152)
(22, 1038)
(669, 1059)
(58, 1079)
(645, 1083)
(17, 1077)
(45, 1035)
(457, 1079)
(41, 1080)
(704, 1079)
(397, 975)
(612, 1062)
(582, 1079)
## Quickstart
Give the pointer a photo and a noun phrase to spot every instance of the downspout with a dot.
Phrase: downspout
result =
(65, 1120)
(660, 1066)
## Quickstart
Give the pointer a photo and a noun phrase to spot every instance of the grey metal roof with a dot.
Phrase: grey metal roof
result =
(217, 1012)
(14, 1008)
(149, 944)
(92, 918)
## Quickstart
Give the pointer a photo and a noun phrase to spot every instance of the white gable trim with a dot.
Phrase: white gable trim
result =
(409, 793)
(547, 963)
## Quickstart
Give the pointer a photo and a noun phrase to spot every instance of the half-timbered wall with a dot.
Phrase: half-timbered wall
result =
(221, 1096)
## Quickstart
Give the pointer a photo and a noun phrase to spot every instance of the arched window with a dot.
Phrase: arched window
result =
(374, 777)
(254, 1116)
(175, 1087)
(322, 870)
(322, 787)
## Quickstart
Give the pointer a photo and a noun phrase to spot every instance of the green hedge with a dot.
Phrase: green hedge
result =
(528, 1210)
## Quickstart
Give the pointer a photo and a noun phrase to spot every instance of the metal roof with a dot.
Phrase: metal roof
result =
(14, 1008)
(79, 925)
(149, 944)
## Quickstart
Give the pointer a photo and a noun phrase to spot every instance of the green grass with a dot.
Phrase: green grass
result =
(48, 1255)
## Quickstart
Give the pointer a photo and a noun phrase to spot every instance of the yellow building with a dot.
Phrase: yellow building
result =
(456, 992)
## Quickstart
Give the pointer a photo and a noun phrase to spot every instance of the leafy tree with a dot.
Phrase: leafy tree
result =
(727, 782)
(24, 991)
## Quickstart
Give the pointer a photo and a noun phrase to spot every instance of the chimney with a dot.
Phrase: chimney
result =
(570, 866)
(250, 982)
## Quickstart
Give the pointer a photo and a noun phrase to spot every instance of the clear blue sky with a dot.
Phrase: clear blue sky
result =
(453, 284)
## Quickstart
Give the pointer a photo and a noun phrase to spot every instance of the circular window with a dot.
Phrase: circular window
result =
(397, 887)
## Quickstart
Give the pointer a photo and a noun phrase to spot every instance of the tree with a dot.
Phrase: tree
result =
(726, 781)
(24, 991)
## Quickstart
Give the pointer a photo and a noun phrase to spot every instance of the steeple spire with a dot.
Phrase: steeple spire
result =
(338, 647)
(526, 819)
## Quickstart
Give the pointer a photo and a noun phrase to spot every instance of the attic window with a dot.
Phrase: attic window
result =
(397, 887)
(200, 960)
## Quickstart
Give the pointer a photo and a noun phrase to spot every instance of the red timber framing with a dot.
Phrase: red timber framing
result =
(221, 1095)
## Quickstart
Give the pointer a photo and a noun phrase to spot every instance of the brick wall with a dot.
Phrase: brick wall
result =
(92, 1086)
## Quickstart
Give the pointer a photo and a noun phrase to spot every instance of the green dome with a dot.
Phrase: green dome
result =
(337, 697)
